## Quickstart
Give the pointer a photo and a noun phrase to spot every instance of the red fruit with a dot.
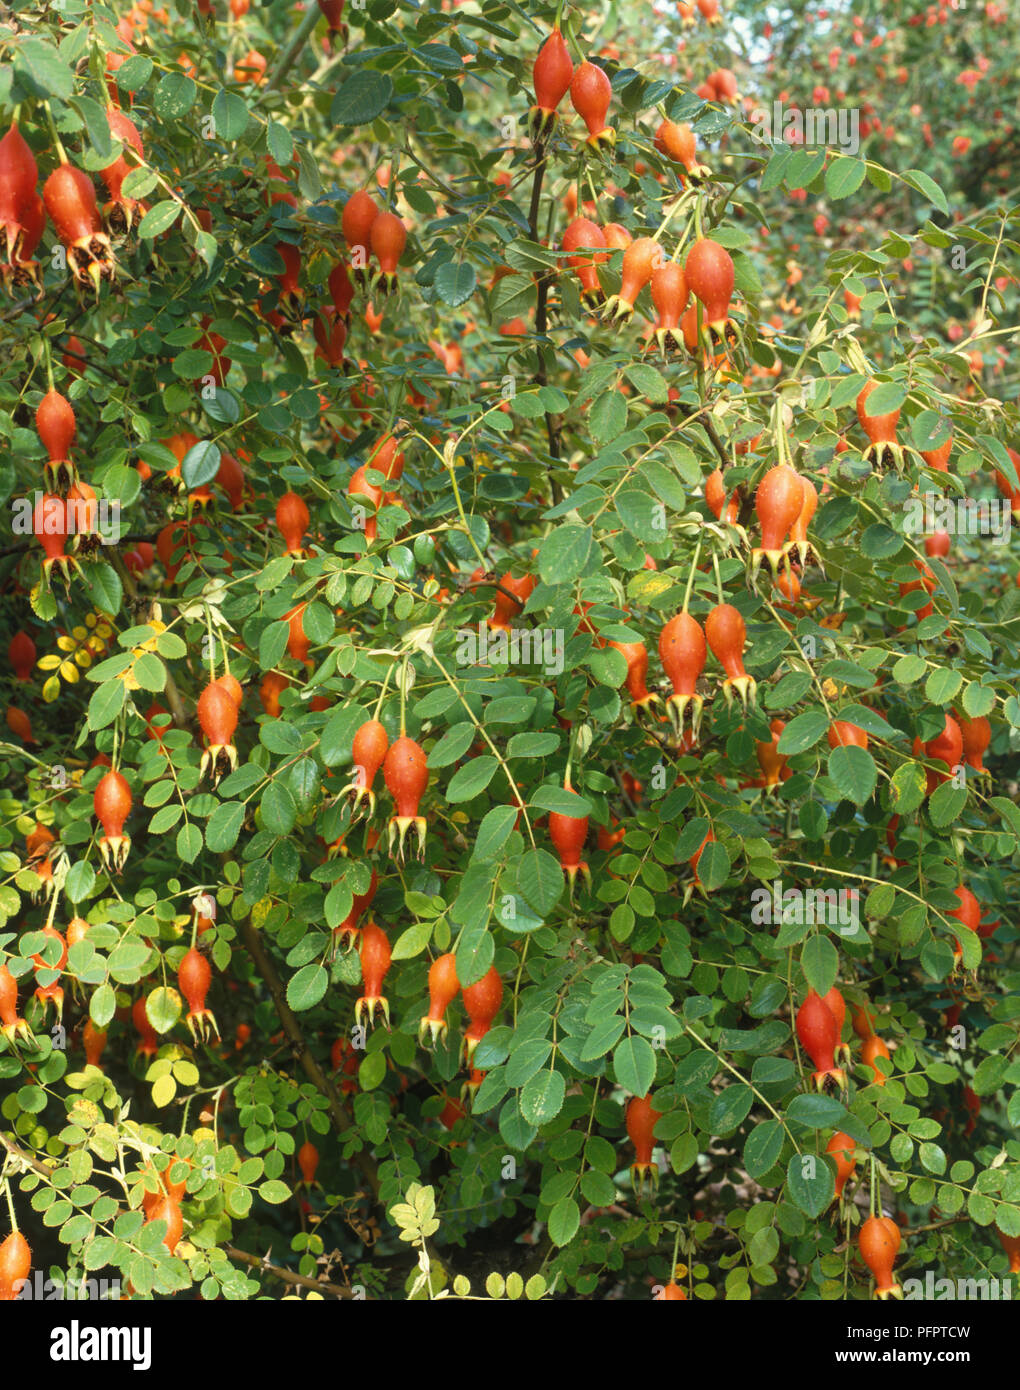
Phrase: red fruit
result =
(70, 198)
(386, 459)
(406, 773)
(779, 502)
(586, 235)
(297, 642)
(368, 750)
(94, 1042)
(863, 1022)
(22, 214)
(12, 1026)
(709, 269)
(938, 544)
(880, 429)
(341, 291)
(53, 991)
(292, 520)
(1011, 1245)
(217, 719)
(977, 735)
(678, 143)
(112, 804)
(682, 652)
(590, 95)
(273, 685)
(333, 11)
(19, 724)
(506, 609)
(879, 1241)
(149, 1044)
(727, 633)
(842, 1149)
(819, 1037)
(715, 496)
(481, 1002)
(167, 1210)
(938, 459)
(443, 989)
(845, 735)
(669, 292)
(641, 1120)
(358, 487)
(52, 523)
(774, 765)
(124, 130)
(375, 962)
(388, 239)
(232, 686)
(874, 1046)
(21, 654)
(194, 976)
(15, 1264)
(946, 748)
(308, 1161)
(568, 834)
(55, 423)
(356, 222)
(641, 258)
(635, 654)
(671, 1293)
(551, 74)
(230, 477)
(836, 1005)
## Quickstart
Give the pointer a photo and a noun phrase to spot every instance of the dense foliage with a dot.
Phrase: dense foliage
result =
(535, 644)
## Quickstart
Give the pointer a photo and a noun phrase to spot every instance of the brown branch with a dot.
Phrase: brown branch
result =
(288, 1275)
(302, 1052)
(543, 281)
(16, 1151)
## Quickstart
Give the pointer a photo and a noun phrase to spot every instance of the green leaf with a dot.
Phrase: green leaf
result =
(543, 1096)
(472, 778)
(455, 282)
(40, 67)
(200, 464)
(174, 96)
(564, 1220)
(907, 788)
(230, 116)
(763, 1147)
(844, 176)
(810, 1183)
(279, 811)
(608, 416)
(916, 178)
(854, 772)
(307, 987)
(224, 826)
(540, 880)
(560, 800)
(105, 588)
(634, 1065)
(362, 98)
(803, 732)
(819, 960)
(453, 745)
(158, 219)
(564, 554)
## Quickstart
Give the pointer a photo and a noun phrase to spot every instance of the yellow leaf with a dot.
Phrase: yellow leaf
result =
(69, 672)
(49, 662)
(51, 690)
(66, 644)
